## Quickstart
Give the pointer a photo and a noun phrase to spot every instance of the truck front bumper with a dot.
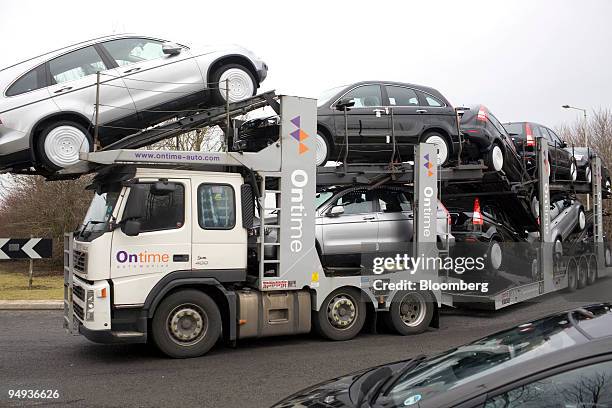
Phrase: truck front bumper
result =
(111, 337)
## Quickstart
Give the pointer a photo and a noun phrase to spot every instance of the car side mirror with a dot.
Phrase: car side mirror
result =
(343, 104)
(171, 49)
(563, 145)
(131, 227)
(335, 211)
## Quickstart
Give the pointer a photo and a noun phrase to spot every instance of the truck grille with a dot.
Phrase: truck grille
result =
(78, 310)
(80, 261)
(79, 292)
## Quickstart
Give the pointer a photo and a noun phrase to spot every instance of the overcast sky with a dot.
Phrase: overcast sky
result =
(523, 59)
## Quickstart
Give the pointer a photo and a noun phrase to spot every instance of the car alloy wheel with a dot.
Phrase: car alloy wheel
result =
(63, 144)
(497, 158)
(241, 85)
(322, 151)
(581, 220)
(495, 255)
(587, 174)
(441, 147)
(573, 171)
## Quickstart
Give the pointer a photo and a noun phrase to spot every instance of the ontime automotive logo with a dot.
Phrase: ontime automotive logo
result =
(142, 259)
(428, 165)
(299, 135)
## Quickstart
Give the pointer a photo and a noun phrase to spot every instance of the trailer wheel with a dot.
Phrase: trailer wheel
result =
(342, 315)
(410, 313)
(592, 275)
(572, 275)
(583, 271)
(186, 324)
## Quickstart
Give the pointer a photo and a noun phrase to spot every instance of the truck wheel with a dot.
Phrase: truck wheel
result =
(410, 313)
(583, 271)
(342, 315)
(186, 324)
(592, 276)
(572, 275)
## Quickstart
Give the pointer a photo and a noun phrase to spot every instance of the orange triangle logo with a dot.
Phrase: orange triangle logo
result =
(303, 135)
(303, 148)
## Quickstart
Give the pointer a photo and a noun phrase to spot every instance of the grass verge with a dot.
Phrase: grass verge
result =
(14, 286)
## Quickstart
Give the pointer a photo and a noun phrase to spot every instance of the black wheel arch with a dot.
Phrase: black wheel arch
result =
(232, 59)
(444, 133)
(225, 299)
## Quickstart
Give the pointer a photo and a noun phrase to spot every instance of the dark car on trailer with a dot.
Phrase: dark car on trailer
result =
(584, 158)
(376, 113)
(524, 135)
(562, 360)
(485, 137)
(487, 226)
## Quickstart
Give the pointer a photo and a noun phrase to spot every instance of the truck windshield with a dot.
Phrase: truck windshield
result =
(98, 215)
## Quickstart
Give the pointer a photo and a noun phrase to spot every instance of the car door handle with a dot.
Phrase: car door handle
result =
(66, 88)
(410, 216)
(379, 112)
(369, 218)
(180, 258)
(421, 111)
(132, 70)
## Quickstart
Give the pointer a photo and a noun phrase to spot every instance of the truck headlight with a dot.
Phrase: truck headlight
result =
(89, 306)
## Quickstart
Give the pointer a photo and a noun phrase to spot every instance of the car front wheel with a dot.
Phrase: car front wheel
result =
(234, 81)
(60, 144)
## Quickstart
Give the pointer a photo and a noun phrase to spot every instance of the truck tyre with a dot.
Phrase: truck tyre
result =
(592, 276)
(410, 312)
(583, 271)
(186, 324)
(342, 315)
(572, 275)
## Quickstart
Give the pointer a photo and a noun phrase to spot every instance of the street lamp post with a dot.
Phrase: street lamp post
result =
(584, 112)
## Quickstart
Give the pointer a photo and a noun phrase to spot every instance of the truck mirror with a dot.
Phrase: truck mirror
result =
(162, 188)
(335, 211)
(131, 227)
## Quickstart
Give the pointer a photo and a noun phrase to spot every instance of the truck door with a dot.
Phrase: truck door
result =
(350, 236)
(219, 239)
(163, 244)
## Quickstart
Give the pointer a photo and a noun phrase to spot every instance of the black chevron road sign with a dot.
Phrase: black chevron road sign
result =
(25, 248)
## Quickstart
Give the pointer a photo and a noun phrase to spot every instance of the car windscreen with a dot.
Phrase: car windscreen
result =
(322, 197)
(483, 357)
(515, 128)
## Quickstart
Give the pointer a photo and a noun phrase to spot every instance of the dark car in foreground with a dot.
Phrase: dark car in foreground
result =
(524, 135)
(562, 360)
(376, 113)
(486, 226)
(485, 137)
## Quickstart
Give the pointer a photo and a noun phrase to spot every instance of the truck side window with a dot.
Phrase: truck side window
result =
(216, 206)
(162, 212)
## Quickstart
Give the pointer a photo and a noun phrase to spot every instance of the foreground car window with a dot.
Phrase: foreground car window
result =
(589, 386)
(134, 50)
(76, 65)
(399, 96)
(490, 354)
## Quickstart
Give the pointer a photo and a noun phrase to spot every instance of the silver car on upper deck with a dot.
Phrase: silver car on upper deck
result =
(47, 103)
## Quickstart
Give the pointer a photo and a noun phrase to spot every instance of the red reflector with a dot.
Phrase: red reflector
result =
(477, 215)
(472, 130)
(482, 114)
(530, 138)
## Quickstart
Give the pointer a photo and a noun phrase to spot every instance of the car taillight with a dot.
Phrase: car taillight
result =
(477, 215)
(482, 114)
(530, 138)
